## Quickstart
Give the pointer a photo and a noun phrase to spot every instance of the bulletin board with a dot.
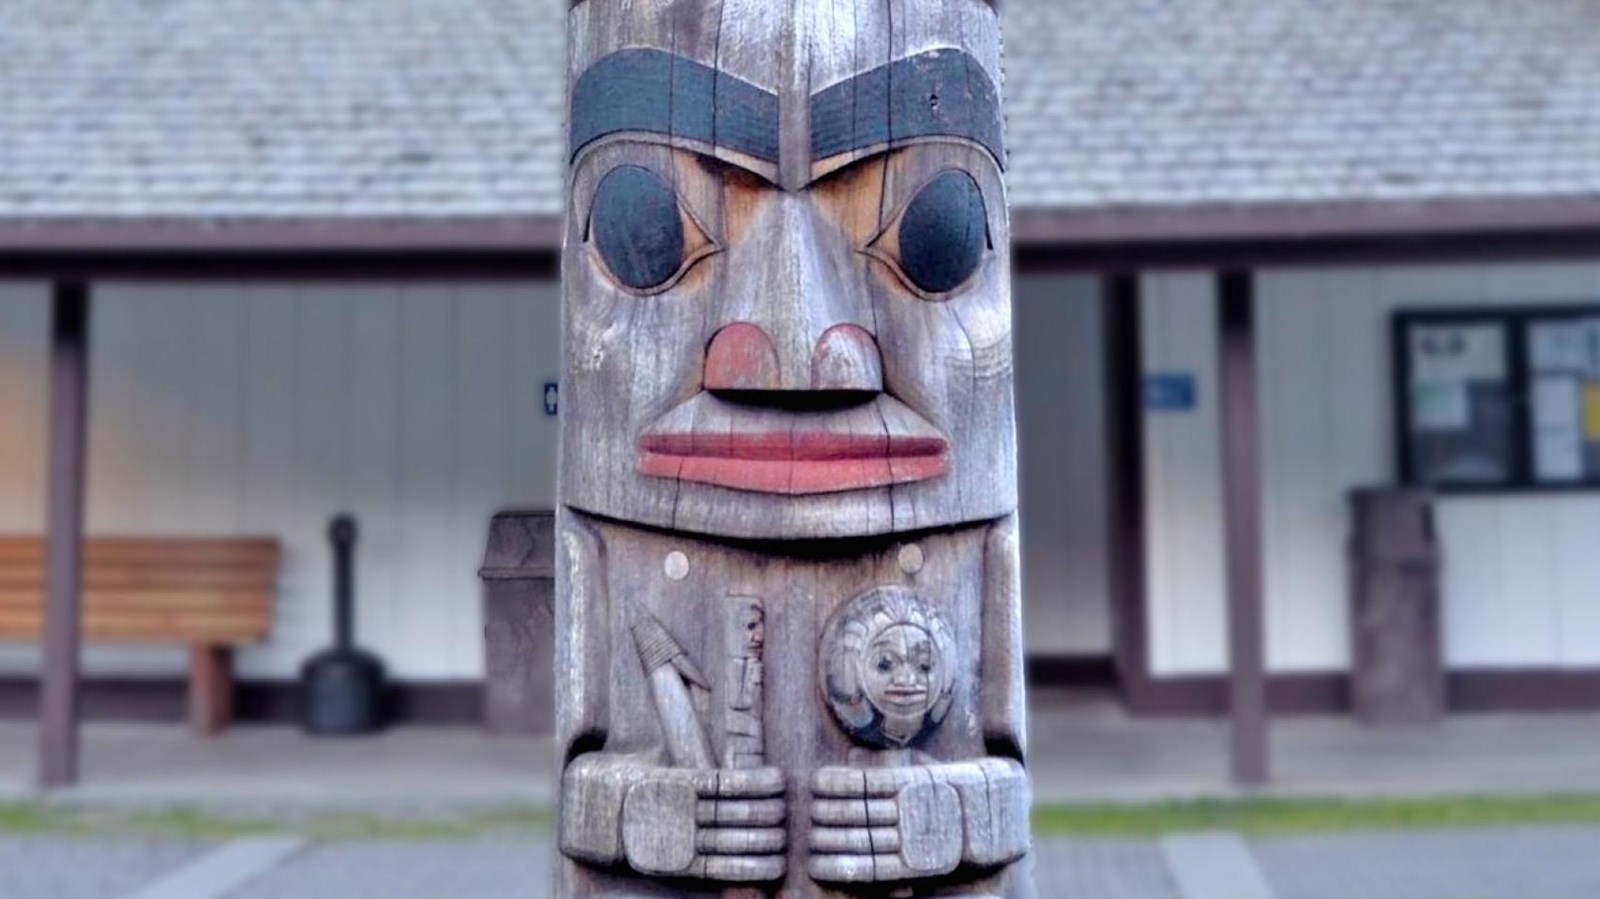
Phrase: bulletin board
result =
(1499, 398)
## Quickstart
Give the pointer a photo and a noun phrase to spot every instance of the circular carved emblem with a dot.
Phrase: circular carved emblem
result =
(887, 667)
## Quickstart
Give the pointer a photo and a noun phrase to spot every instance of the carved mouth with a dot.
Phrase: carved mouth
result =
(711, 441)
(906, 693)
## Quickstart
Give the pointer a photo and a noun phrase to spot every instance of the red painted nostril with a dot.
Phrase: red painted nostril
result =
(846, 358)
(741, 357)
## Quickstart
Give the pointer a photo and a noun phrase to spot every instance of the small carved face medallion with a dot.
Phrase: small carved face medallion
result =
(886, 667)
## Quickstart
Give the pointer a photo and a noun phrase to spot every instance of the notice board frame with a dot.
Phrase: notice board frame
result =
(1515, 322)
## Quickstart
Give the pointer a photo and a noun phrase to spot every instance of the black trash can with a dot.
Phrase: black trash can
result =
(1397, 664)
(518, 576)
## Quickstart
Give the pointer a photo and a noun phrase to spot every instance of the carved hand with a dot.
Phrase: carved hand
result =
(711, 824)
(904, 823)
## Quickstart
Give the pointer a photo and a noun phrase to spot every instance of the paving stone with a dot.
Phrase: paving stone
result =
(1096, 868)
(50, 867)
(410, 869)
(1523, 863)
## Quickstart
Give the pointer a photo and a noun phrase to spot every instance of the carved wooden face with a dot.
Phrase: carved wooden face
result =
(885, 667)
(787, 297)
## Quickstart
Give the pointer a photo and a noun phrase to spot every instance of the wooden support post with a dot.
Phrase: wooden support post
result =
(1241, 481)
(69, 387)
(1125, 511)
(210, 689)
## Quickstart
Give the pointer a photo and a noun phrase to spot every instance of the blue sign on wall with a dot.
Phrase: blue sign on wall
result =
(1170, 391)
(552, 397)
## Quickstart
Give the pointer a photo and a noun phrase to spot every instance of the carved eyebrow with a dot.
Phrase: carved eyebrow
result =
(942, 92)
(644, 89)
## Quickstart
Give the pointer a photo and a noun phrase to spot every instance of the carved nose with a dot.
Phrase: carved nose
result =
(742, 357)
(846, 358)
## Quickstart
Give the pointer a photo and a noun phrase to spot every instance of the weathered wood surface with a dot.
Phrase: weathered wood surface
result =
(788, 624)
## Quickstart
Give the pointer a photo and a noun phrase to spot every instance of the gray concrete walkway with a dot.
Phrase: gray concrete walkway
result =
(1537, 863)
(1084, 749)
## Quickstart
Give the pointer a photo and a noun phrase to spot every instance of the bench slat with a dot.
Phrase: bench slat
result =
(206, 551)
(170, 577)
(12, 599)
(190, 627)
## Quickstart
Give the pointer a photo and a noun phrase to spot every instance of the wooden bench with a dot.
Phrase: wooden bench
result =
(210, 593)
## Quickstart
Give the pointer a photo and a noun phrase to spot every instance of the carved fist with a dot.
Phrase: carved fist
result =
(711, 824)
(905, 823)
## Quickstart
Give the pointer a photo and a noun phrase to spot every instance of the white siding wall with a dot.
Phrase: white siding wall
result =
(1522, 587)
(230, 409)
(1061, 434)
(1183, 494)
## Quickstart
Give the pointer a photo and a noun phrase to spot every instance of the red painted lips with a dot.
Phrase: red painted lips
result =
(712, 442)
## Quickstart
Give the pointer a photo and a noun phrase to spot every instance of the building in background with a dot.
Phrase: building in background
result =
(320, 242)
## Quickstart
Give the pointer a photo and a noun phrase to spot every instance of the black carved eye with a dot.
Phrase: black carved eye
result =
(640, 230)
(940, 238)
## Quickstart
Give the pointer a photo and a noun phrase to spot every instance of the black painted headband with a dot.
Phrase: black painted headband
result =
(663, 93)
(939, 92)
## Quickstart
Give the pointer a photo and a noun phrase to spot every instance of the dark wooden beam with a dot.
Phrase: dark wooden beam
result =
(227, 264)
(1241, 484)
(1125, 512)
(69, 389)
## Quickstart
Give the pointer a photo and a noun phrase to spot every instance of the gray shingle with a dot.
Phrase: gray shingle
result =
(453, 107)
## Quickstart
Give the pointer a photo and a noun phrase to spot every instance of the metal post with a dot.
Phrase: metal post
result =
(69, 387)
(1241, 481)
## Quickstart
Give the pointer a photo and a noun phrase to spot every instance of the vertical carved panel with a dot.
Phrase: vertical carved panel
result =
(790, 650)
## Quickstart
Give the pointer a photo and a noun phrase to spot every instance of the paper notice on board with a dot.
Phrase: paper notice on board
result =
(1558, 428)
(1440, 406)
(1556, 403)
(1441, 353)
(1560, 346)
(1557, 456)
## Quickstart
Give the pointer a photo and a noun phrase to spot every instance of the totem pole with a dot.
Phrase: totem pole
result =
(790, 654)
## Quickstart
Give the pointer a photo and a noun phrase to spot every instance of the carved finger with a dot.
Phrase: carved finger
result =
(741, 812)
(893, 867)
(881, 782)
(854, 812)
(865, 869)
(842, 868)
(741, 868)
(855, 840)
(832, 782)
(744, 783)
(741, 840)
(870, 783)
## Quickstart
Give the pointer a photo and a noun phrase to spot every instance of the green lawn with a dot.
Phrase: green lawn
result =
(1253, 816)
(1275, 816)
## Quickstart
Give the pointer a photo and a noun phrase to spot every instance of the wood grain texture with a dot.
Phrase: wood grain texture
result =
(209, 594)
(788, 613)
(164, 589)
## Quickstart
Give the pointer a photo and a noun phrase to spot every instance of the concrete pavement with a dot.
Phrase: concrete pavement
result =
(1085, 748)
(1526, 863)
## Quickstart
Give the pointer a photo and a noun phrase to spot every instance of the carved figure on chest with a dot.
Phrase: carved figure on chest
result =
(788, 623)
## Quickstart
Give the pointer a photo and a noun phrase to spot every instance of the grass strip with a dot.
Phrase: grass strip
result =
(1267, 816)
(1258, 816)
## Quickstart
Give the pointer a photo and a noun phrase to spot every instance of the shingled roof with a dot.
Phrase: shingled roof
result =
(219, 110)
